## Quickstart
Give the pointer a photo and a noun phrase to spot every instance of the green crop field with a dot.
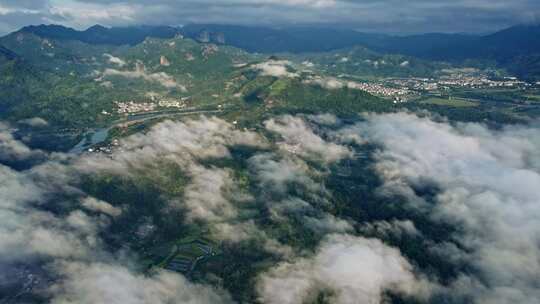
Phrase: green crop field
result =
(454, 102)
(532, 98)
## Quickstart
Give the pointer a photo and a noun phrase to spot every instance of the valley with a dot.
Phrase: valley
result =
(94, 84)
(175, 163)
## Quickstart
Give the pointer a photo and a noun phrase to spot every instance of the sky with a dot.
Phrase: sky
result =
(391, 16)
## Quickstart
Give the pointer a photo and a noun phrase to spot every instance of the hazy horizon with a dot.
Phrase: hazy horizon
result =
(388, 16)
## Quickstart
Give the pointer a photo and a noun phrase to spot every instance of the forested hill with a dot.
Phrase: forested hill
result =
(516, 49)
(6, 54)
(514, 41)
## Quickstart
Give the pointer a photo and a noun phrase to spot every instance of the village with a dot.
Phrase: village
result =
(455, 81)
(403, 89)
(130, 107)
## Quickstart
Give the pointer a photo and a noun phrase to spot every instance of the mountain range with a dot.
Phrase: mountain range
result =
(74, 78)
(516, 49)
(98, 34)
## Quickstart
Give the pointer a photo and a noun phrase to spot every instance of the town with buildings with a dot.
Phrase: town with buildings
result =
(403, 89)
(131, 107)
(396, 93)
(455, 81)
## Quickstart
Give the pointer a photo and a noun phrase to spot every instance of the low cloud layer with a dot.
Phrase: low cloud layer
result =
(179, 142)
(350, 269)
(140, 72)
(488, 181)
(298, 138)
(112, 284)
(96, 205)
(485, 185)
(12, 149)
(67, 246)
(275, 68)
(83, 271)
(115, 60)
(278, 176)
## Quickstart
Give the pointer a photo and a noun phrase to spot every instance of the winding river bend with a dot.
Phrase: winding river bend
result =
(96, 137)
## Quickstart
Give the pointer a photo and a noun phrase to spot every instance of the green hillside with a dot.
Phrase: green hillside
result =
(73, 84)
(362, 62)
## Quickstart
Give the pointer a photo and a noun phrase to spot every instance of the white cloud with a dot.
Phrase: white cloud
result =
(489, 187)
(181, 142)
(26, 231)
(205, 196)
(488, 181)
(327, 224)
(277, 177)
(96, 205)
(349, 135)
(276, 174)
(67, 246)
(6, 10)
(12, 149)
(394, 228)
(161, 78)
(211, 196)
(300, 139)
(115, 60)
(353, 269)
(102, 283)
(275, 68)
(330, 83)
(324, 119)
(34, 122)
(84, 14)
(309, 3)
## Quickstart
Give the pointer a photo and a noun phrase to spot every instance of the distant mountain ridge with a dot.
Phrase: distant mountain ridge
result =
(315, 39)
(102, 35)
(270, 40)
(516, 48)
(509, 42)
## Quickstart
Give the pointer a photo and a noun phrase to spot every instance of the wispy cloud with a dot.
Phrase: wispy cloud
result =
(140, 72)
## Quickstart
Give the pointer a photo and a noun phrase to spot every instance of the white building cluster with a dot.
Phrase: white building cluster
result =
(138, 107)
(172, 103)
(454, 80)
(479, 82)
(134, 107)
(379, 90)
(416, 84)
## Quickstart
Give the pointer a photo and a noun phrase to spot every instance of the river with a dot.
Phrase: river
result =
(97, 136)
